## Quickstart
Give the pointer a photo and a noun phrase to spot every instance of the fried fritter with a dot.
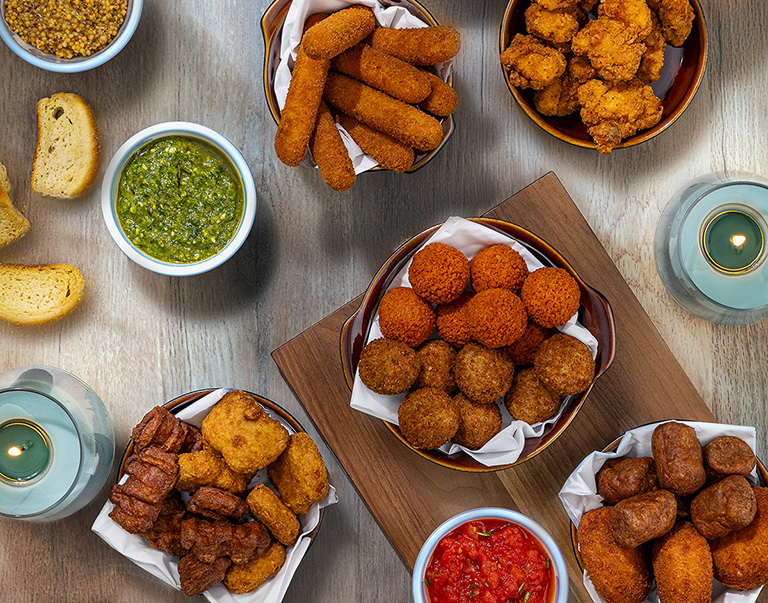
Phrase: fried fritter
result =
(532, 64)
(248, 577)
(404, 316)
(625, 477)
(196, 576)
(497, 316)
(551, 296)
(498, 267)
(529, 400)
(428, 418)
(299, 474)
(206, 467)
(436, 358)
(482, 374)
(217, 504)
(564, 365)
(611, 47)
(523, 351)
(634, 14)
(479, 422)
(682, 565)
(439, 273)
(267, 508)
(727, 455)
(388, 366)
(239, 429)
(641, 518)
(558, 99)
(554, 26)
(653, 57)
(678, 456)
(676, 18)
(453, 321)
(724, 507)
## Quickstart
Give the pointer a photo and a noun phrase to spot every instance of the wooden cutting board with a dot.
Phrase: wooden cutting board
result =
(410, 496)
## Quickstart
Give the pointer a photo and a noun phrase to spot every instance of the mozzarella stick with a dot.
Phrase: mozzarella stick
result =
(338, 32)
(443, 99)
(388, 152)
(329, 152)
(419, 45)
(378, 110)
(305, 92)
(384, 72)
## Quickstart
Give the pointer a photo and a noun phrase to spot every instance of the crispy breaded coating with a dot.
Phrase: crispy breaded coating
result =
(564, 365)
(482, 374)
(453, 320)
(611, 47)
(406, 317)
(580, 69)
(558, 99)
(497, 317)
(267, 508)
(529, 400)
(239, 429)
(217, 504)
(653, 57)
(724, 507)
(339, 31)
(498, 267)
(634, 14)
(387, 151)
(643, 517)
(196, 576)
(329, 152)
(727, 455)
(206, 467)
(557, 4)
(428, 418)
(299, 474)
(625, 477)
(523, 350)
(420, 45)
(551, 296)
(554, 26)
(682, 566)
(439, 273)
(436, 358)
(532, 64)
(479, 422)
(678, 456)
(442, 99)
(245, 578)
(676, 18)
(388, 367)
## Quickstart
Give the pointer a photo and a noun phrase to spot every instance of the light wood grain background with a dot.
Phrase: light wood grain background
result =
(140, 339)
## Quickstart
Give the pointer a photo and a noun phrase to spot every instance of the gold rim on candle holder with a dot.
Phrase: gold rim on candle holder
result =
(705, 248)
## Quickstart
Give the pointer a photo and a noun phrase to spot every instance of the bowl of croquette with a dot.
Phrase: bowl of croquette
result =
(476, 343)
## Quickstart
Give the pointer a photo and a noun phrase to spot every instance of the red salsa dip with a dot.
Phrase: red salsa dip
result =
(489, 561)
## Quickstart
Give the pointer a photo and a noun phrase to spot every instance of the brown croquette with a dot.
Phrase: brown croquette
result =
(453, 321)
(406, 317)
(551, 296)
(388, 367)
(523, 350)
(483, 374)
(497, 317)
(428, 418)
(564, 365)
(436, 358)
(528, 400)
(498, 267)
(479, 422)
(439, 273)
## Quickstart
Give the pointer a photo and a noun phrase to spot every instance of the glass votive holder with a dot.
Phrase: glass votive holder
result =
(710, 248)
(56, 444)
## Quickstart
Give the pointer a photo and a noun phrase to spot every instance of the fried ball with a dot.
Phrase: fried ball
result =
(241, 579)
(497, 317)
(428, 418)
(676, 18)
(267, 508)
(436, 358)
(439, 273)
(634, 14)
(678, 456)
(727, 455)
(558, 99)
(682, 565)
(239, 429)
(551, 296)
(405, 317)
(554, 26)
(498, 267)
(524, 349)
(618, 575)
(626, 477)
(529, 400)
(299, 474)
(724, 507)
(530, 63)
(482, 374)
(453, 321)
(741, 558)
(564, 365)
(611, 47)
(388, 367)
(479, 422)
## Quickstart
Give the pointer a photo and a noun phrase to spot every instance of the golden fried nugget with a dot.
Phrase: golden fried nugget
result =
(682, 565)
(239, 429)
(634, 14)
(419, 45)
(554, 26)
(676, 18)
(206, 467)
(678, 456)
(267, 508)
(329, 152)
(387, 151)
(248, 577)
(611, 47)
(643, 517)
(560, 98)
(557, 4)
(653, 57)
(339, 31)
(724, 507)
(581, 69)
(726, 456)
(625, 477)
(532, 64)
(299, 474)
(442, 100)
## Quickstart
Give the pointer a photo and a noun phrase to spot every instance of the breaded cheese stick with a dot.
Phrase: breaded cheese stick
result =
(443, 99)
(338, 32)
(378, 110)
(329, 152)
(384, 72)
(305, 92)
(390, 153)
(418, 45)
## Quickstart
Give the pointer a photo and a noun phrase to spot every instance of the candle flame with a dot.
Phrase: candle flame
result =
(738, 240)
(14, 451)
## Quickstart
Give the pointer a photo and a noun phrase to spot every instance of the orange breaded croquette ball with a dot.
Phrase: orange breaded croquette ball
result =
(483, 375)
(439, 273)
(428, 418)
(524, 349)
(479, 422)
(564, 365)
(388, 367)
(497, 317)
(498, 267)
(551, 296)
(405, 317)
(453, 321)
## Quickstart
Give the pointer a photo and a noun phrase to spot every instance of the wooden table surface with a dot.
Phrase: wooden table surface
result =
(139, 338)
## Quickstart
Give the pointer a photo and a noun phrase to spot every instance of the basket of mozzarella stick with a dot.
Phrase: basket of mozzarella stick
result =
(672, 512)
(358, 86)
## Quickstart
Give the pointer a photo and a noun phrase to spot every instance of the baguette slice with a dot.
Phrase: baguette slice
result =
(67, 155)
(13, 224)
(35, 295)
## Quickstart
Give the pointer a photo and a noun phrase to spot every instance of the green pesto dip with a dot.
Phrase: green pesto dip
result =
(179, 200)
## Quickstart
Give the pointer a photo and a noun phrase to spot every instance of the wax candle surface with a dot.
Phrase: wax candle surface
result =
(732, 241)
(24, 451)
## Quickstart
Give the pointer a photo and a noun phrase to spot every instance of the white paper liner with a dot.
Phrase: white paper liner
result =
(579, 493)
(506, 446)
(164, 566)
(293, 28)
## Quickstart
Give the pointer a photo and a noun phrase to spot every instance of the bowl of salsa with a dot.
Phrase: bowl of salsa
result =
(178, 198)
(490, 554)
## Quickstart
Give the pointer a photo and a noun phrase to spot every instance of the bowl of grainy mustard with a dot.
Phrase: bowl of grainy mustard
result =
(68, 36)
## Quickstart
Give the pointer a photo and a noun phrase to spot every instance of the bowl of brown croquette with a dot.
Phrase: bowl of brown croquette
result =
(272, 22)
(674, 82)
(594, 313)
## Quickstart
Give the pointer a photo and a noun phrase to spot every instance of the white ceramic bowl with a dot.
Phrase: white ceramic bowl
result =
(425, 555)
(51, 62)
(112, 180)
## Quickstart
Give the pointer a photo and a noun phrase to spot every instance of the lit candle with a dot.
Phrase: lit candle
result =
(732, 241)
(24, 451)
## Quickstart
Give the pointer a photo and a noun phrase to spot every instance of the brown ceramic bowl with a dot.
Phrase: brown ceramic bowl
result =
(272, 29)
(594, 313)
(676, 86)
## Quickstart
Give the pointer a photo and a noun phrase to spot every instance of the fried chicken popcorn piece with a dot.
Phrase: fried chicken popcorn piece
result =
(245, 578)
(531, 63)
(653, 57)
(613, 112)
(559, 98)
(217, 504)
(611, 47)
(580, 69)
(206, 467)
(554, 26)
(196, 576)
(634, 14)
(267, 508)
(299, 474)
(239, 429)
(676, 18)
(557, 4)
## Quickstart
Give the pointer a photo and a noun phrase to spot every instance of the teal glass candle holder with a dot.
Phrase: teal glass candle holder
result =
(710, 248)
(56, 444)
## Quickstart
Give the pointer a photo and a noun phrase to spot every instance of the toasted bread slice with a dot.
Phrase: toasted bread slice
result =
(67, 155)
(5, 183)
(35, 295)
(13, 224)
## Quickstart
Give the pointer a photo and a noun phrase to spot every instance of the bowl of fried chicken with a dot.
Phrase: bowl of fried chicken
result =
(603, 74)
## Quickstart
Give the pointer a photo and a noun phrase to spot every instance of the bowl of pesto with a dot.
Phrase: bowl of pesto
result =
(178, 198)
